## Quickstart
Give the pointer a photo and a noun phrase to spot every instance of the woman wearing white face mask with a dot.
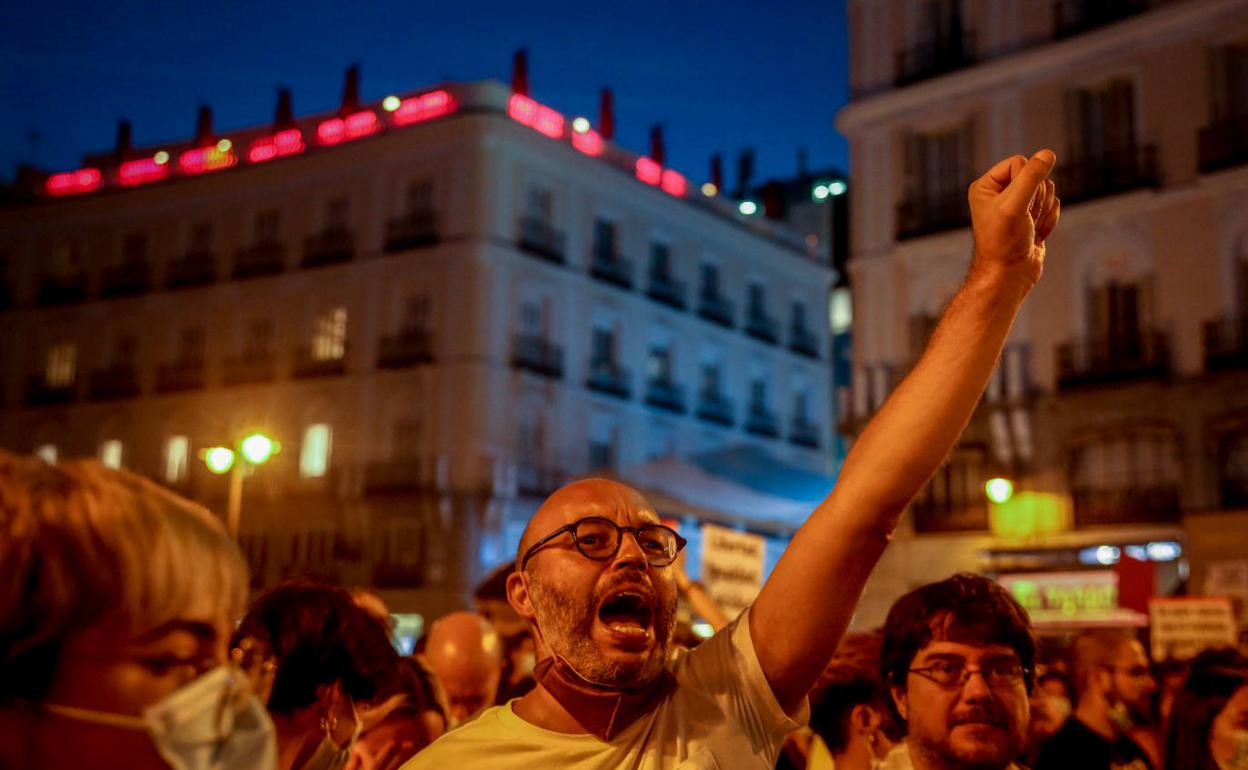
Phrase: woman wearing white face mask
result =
(849, 709)
(1209, 721)
(116, 600)
(331, 659)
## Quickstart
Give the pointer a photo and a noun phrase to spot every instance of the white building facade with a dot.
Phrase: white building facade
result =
(1116, 408)
(442, 306)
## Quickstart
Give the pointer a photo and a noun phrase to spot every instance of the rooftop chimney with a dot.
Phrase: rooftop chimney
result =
(657, 153)
(351, 91)
(606, 114)
(203, 126)
(124, 146)
(745, 171)
(520, 72)
(717, 171)
(773, 200)
(284, 115)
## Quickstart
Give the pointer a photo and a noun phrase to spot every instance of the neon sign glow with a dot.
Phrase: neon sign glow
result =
(206, 159)
(74, 182)
(281, 144)
(536, 116)
(354, 126)
(425, 107)
(136, 172)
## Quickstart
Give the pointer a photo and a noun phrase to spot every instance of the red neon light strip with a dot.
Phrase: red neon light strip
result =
(205, 160)
(649, 172)
(674, 184)
(136, 172)
(354, 126)
(589, 142)
(426, 107)
(281, 144)
(74, 182)
(536, 116)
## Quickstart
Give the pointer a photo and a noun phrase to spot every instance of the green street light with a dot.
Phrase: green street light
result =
(258, 448)
(999, 490)
(219, 459)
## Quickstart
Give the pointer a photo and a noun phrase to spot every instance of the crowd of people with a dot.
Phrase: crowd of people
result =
(127, 638)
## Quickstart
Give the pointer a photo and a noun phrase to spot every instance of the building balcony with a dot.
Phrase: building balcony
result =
(180, 376)
(115, 382)
(761, 421)
(62, 289)
(1074, 17)
(1224, 143)
(714, 407)
(803, 342)
(609, 378)
(611, 268)
(1141, 504)
(404, 476)
(193, 269)
(249, 368)
(1111, 173)
(1226, 343)
(413, 230)
(803, 432)
(410, 347)
(535, 353)
(328, 247)
(925, 213)
(761, 326)
(127, 279)
(40, 392)
(1109, 360)
(934, 58)
(667, 395)
(540, 239)
(262, 258)
(309, 364)
(666, 290)
(539, 481)
(716, 308)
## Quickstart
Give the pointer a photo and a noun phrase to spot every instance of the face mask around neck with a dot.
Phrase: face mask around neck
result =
(602, 711)
(213, 722)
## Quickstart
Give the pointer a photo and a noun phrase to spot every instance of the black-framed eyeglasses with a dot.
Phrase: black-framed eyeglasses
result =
(599, 539)
(952, 674)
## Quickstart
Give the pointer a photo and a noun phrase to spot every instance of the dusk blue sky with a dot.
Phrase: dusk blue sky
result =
(721, 75)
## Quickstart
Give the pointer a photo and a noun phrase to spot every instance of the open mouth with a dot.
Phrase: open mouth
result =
(628, 614)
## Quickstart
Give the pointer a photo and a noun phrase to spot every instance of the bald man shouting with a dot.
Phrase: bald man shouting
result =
(595, 580)
(466, 654)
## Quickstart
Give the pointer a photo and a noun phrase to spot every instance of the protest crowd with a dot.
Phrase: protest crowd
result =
(128, 638)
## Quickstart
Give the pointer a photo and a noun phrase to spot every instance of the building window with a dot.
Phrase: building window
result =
(418, 196)
(532, 320)
(1233, 469)
(1126, 477)
(801, 406)
(1101, 120)
(329, 335)
(110, 453)
(711, 379)
(314, 455)
(659, 364)
(47, 453)
(604, 238)
(61, 365)
(710, 280)
(603, 347)
(953, 500)
(191, 344)
(177, 454)
(338, 215)
(601, 454)
(405, 439)
(937, 167)
(660, 260)
(758, 395)
(259, 343)
(1229, 81)
(268, 226)
(540, 204)
(134, 248)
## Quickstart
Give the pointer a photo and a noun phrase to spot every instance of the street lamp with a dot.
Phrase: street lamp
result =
(999, 490)
(255, 449)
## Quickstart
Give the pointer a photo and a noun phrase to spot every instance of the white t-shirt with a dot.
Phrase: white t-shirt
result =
(722, 714)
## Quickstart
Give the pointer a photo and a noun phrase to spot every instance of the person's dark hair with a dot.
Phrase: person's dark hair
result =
(1213, 678)
(964, 608)
(319, 636)
(852, 678)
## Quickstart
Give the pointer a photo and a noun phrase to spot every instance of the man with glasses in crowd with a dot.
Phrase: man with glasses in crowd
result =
(595, 579)
(1113, 695)
(958, 658)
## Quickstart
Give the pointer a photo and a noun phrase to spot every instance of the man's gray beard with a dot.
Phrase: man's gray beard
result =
(567, 630)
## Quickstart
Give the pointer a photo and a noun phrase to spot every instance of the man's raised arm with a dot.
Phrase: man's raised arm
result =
(806, 605)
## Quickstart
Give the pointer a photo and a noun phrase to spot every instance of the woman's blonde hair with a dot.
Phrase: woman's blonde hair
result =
(80, 543)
